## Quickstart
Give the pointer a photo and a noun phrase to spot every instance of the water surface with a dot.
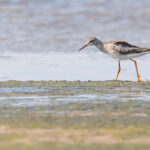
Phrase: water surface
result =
(39, 39)
(49, 94)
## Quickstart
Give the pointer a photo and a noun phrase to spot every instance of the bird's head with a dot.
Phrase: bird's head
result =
(91, 41)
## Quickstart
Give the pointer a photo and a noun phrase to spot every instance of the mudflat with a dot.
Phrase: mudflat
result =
(74, 115)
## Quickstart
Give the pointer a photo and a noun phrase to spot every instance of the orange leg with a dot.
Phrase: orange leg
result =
(138, 76)
(119, 69)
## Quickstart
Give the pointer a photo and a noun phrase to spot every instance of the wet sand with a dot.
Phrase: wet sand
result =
(75, 115)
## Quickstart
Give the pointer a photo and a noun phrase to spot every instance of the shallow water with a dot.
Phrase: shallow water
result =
(68, 66)
(36, 100)
(39, 39)
(46, 95)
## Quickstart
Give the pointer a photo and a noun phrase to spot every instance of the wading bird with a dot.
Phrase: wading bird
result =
(119, 50)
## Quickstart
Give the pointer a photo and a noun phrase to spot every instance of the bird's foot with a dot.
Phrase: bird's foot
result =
(138, 79)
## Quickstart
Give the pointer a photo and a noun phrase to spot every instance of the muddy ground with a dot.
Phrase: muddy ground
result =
(74, 115)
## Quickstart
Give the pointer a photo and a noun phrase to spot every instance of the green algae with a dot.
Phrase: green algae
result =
(74, 87)
(64, 83)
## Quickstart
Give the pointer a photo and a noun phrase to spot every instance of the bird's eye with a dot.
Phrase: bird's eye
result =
(92, 41)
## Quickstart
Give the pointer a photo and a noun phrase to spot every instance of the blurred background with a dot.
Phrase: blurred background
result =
(39, 39)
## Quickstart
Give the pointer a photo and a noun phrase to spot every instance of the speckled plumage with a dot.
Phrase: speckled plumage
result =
(125, 48)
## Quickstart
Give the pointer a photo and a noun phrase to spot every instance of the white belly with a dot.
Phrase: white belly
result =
(123, 57)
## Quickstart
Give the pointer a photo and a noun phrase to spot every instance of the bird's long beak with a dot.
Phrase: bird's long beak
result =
(83, 47)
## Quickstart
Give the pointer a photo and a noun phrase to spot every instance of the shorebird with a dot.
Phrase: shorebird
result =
(119, 50)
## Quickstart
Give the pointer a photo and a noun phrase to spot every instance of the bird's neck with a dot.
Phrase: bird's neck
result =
(100, 46)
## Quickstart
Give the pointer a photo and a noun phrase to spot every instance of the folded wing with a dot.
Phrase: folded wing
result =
(125, 48)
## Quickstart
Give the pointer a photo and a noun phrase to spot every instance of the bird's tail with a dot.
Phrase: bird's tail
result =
(146, 50)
